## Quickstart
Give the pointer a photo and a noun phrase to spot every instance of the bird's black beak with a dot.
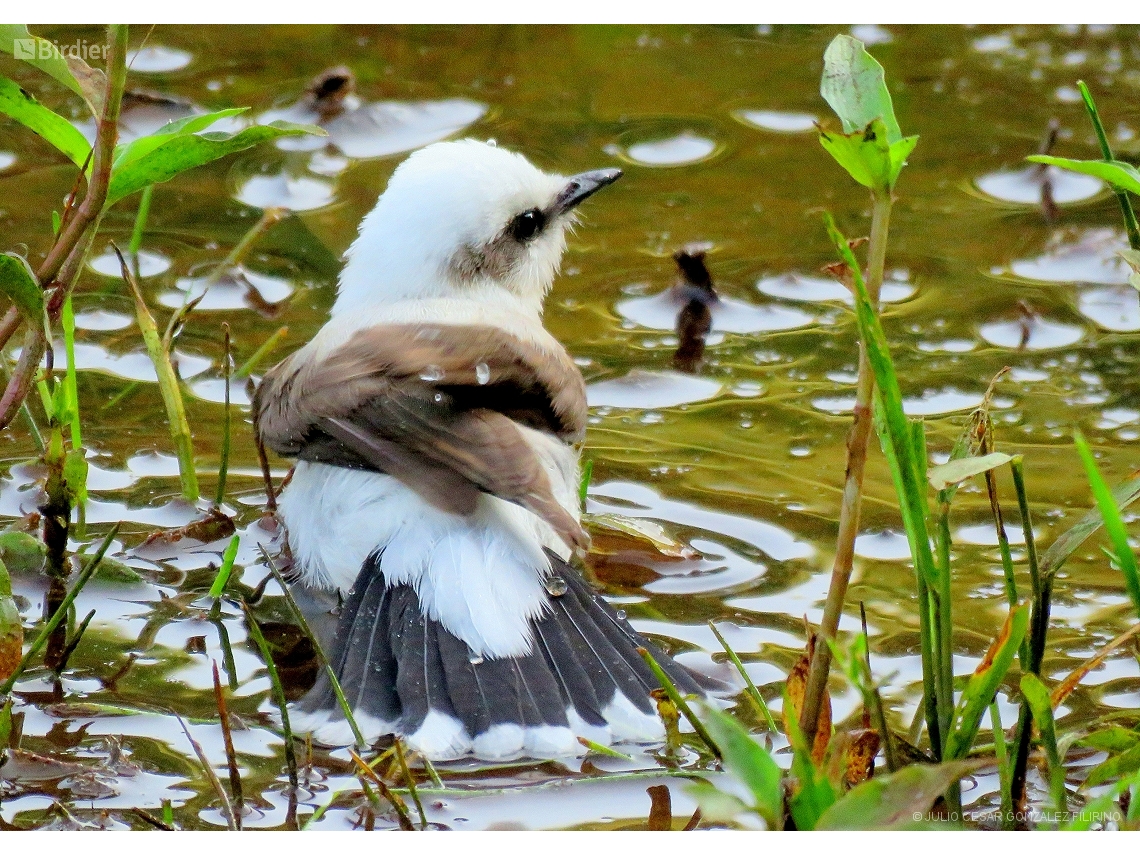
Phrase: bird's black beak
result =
(582, 186)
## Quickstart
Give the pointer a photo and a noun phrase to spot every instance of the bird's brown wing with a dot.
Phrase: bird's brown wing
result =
(437, 406)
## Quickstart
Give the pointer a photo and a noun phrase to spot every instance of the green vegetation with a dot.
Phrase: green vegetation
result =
(829, 784)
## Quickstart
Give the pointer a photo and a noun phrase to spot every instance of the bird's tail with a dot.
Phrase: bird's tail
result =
(404, 673)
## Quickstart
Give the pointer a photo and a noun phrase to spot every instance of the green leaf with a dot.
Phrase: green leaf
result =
(85, 81)
(1119, 174)
(941, 477)
(855, 86)
(750, 763)
(1102, 808)
(893, 801)
(19, 105)
(1113, 739)
(223, 577)
(19, 284)
(980, 690)
(865, 154)
(1113, 523)
(1132, 259)
(136, 149)
(181, 152)
(1121, 764)
(1037, 696)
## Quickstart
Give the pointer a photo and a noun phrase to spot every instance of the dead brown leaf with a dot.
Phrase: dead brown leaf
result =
(797, 686)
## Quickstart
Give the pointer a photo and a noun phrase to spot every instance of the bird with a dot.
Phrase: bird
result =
(433, 515)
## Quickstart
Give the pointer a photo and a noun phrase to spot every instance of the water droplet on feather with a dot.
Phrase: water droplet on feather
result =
(483, 373)
(431, 373)
(556, 586)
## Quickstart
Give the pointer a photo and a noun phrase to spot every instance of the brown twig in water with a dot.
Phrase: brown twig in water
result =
(228, 740)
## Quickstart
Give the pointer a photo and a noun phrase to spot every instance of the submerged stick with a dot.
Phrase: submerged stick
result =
(228, 741)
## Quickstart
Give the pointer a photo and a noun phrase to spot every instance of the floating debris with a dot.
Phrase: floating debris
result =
(696, 293)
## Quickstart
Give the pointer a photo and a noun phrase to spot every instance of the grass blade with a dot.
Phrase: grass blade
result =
(299, 616)
(212, 777)
(752, 691)
(167, 385)
(1037, 697)
(681, 703)
(278, 692)
(980, 690)
(1113, 523)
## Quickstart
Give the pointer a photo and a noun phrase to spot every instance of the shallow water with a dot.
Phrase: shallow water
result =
(734, 474)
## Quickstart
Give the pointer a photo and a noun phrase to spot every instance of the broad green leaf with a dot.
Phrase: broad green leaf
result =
(132, 151)
(85, 81)
(182, 152)
(1119, 174)
(1113, 739)
(980, 690)
(18, 283)
(1113, 524)
(864, 154)
(1037, 696)
(956, 471)
(893, 801)
(1113, 767)
(900, 151)
(854, 85)
(750, 763)
(19, 105)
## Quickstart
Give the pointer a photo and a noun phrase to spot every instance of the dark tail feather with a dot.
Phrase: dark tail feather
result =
(405, 673)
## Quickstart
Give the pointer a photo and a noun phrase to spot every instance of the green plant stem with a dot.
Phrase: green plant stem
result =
(1000, 754)
(853, 484)
(140, 221)
(250, 364)
(752, 691)
(61, 612)
(682, 705)
(269, 218)
(64, 259)
(278, 692)
(1130, 224)
(224, 466)
(1042, 587)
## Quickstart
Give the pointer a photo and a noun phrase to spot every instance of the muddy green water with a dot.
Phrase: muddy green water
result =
(741, 463)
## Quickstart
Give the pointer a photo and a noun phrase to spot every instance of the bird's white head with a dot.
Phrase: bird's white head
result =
(461, 218)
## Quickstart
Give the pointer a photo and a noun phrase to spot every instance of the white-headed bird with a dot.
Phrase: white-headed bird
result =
(436, 424)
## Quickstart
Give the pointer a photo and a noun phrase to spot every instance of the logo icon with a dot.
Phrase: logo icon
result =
(24, 48)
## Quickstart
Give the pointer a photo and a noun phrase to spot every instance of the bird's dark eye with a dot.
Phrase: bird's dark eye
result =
(527, 224)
